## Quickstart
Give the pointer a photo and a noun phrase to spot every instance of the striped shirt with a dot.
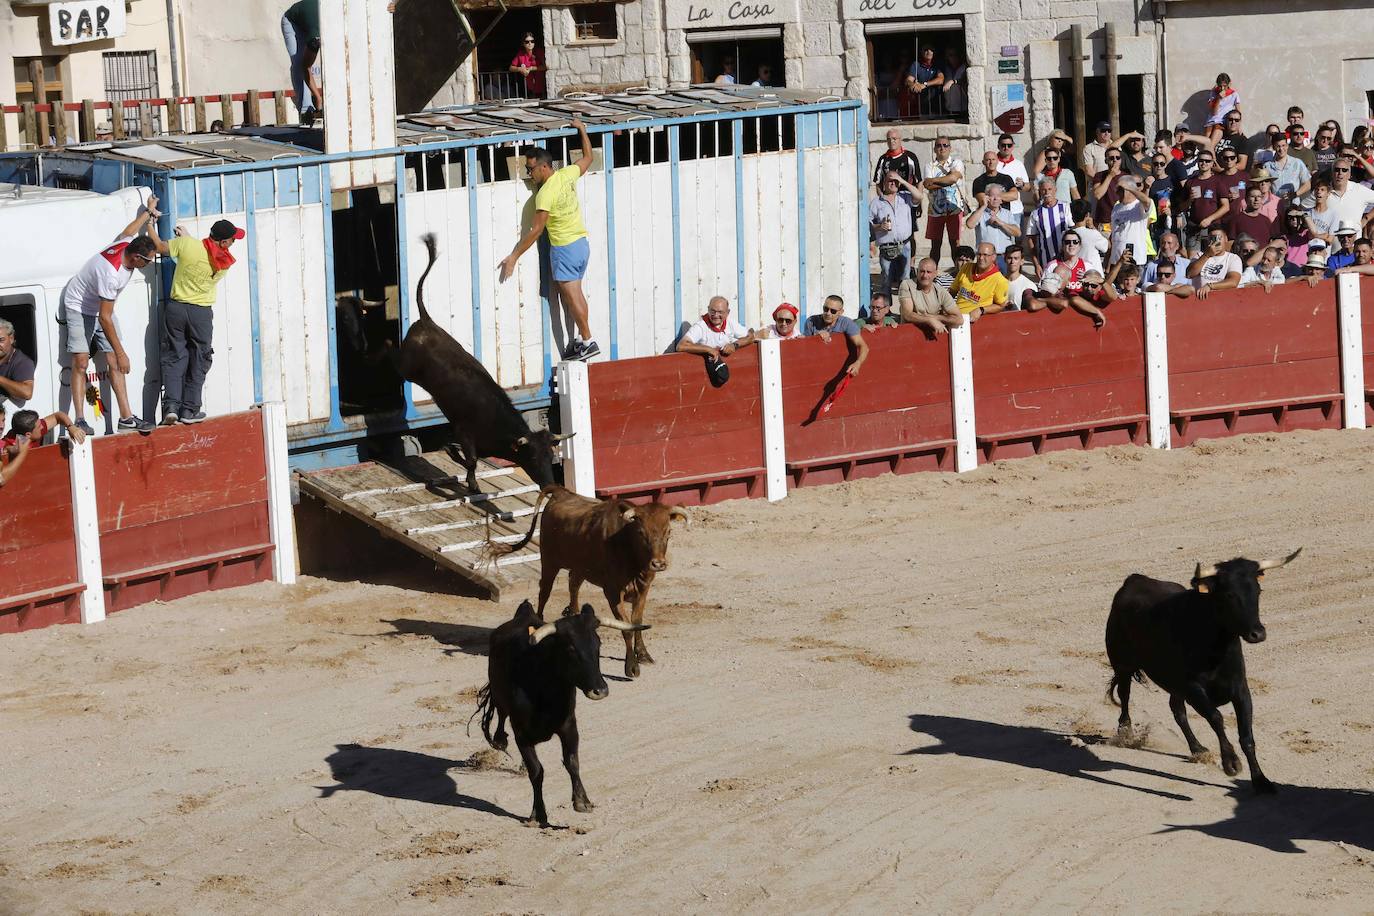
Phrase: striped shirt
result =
(1048, 225)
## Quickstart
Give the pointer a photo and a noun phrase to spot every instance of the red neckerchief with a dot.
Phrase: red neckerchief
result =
(1005, 159)
(220, 259)
(1055, 174)
(115, 255)
(718, 328)
(978, 278)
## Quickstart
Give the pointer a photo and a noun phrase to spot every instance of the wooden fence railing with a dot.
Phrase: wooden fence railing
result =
(37, 126)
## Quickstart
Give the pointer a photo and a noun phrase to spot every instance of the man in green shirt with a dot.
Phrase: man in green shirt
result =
(188, 321)
(300, 30)
(557, 210)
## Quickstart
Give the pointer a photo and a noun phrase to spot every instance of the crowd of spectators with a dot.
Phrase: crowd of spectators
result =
(1186, 215)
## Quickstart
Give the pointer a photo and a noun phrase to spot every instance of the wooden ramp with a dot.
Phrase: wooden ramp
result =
(424, 503)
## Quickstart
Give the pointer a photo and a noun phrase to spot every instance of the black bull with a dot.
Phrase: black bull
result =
(1188, 641)
(534, 670)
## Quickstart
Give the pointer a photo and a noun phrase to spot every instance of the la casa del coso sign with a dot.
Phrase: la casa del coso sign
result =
(707, 14)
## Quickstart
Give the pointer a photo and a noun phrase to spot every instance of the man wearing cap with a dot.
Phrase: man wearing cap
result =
(1364, 259)
(1344, 255)
(1094, 155)
(784, 325)
(188, 321)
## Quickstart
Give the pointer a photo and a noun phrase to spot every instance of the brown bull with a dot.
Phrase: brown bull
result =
(607, 542)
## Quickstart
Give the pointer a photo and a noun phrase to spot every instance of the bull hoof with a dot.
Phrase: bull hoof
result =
(1124, 731)
(582, 805)
(631, 668)
(533, 821)
(499, 742)
(644, 656)
(1230, 764)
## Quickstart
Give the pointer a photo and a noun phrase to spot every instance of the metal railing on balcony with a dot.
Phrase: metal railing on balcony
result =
(931, 104)
(502, 84)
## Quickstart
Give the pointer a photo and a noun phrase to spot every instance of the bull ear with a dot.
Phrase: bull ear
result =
(679, 514)
(520, 443)
(628, 514)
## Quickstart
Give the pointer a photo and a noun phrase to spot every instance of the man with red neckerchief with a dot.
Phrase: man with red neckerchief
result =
(715, 336)
(980, 288)
(188, 321)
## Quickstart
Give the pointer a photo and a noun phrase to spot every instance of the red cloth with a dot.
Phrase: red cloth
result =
(220, 259)
(115, 254)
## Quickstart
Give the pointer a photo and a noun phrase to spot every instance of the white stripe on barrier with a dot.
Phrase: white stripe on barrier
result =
(575, 414)
(1157, 369)
(86, 521)
(279, 518)
(774, 437)
(961, 386)
(1352, 348)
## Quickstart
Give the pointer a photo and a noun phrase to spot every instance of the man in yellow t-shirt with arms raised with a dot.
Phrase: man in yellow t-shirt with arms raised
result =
(188, 321)
(557, 210)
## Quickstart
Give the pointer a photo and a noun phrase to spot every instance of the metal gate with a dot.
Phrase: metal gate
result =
(132, 75)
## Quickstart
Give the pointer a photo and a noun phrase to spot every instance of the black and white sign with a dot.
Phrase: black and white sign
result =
(897, 9)
(716, 14)
(76, 21)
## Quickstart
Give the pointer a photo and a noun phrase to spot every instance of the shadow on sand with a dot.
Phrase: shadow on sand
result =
(1296, 813)
(462, 638)
(1036, 748)
(407, 775)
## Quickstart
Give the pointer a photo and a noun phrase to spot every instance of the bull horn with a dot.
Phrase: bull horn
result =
(537, 636)
(628, 514)
(1201, 573)
(1275, 564)
(612, 624)
(559, 437)
(680, 514)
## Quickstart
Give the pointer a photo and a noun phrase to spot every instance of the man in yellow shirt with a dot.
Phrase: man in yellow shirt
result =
(979, 288)
(556, 209)
(188, 321)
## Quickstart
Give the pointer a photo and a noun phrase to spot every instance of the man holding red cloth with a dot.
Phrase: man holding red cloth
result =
(188, 321)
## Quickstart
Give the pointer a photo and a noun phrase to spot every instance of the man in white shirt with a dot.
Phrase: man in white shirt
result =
(715, 334)
(1019, 286)
(1216, 268)
(1348, 199)
(89, 322)
(1012, 167)
(1094, 157)
(1130, 220)
(1268, 273)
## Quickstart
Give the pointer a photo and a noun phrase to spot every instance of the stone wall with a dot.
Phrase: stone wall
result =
(636, 57)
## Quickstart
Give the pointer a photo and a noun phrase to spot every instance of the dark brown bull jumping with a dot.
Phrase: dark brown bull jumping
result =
(611, 543)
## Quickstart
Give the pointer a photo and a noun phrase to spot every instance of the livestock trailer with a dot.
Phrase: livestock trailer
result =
(755, 194)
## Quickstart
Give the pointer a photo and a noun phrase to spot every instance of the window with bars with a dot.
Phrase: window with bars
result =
(594, 23)
(132, 76)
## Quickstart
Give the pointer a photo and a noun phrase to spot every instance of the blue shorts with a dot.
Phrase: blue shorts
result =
(569, 262)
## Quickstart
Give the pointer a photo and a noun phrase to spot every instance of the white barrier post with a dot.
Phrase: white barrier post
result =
(1157, 369)
(961, 385)
(280, 521)
(1352, 349)
(774, 438)
(86, 522)
(575, 414)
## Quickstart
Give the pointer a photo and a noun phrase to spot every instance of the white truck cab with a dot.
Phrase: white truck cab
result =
(49, 233)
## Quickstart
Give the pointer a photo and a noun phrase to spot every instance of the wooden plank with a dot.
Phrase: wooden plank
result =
(448, 503)
(39, 88)
(174, 116)
(281, 118)
(4, 131)
(87, 120)
(198, 104)
(145, 119)
(29, 123)
(117, 121)
(59, 123)
(252, 109)
(226, 110)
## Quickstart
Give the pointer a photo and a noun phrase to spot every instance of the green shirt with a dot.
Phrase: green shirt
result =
(194, 280)
(305, 16)
(558, 197)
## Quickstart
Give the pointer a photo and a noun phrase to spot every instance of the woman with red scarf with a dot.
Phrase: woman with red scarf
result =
(188, 321)
(529, 63)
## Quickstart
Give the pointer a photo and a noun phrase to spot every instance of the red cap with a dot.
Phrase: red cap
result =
(785, 307)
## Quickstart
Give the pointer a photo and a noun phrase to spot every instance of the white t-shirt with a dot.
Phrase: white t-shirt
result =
(1350, 207)
(1094, 246)
(1254, 276)
(1016, 289)
(1130, 223)
(103, 277)
(701, 333)
(1215, 269)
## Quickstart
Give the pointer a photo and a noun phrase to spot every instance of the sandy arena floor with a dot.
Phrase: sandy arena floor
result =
(875, 697)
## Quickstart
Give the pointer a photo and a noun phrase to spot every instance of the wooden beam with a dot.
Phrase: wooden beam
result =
(252, 110)
(40, 96)
(87, 120)
(59, 122)
(281, 114)
(117, 120)
(201, 124)
(145, 120)
(1080, 138)
(1113, 102)
(30, 123)
(226, 109)
(173, 125)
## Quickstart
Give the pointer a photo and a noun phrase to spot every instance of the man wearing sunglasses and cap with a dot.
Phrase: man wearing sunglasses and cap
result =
(188, 321)
(88, 318)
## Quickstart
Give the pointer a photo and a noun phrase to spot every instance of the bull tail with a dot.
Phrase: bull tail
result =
(486, 708)
(492, 550)
(430, 243)
(1114, 685)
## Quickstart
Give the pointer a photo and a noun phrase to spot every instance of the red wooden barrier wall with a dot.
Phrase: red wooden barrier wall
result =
(1249, 361)
(1043, 382)
(38, 577)
(183, 510)
(896, 416)
(660, 431)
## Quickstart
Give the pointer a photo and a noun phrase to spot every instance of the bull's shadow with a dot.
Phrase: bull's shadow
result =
(1296, 813)
(461, 638)
(407, 775)
(1036, 748)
